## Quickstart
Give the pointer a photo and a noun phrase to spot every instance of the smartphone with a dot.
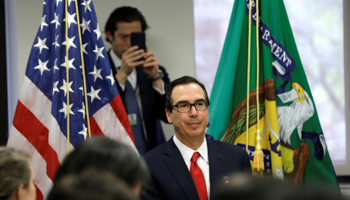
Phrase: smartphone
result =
(139, 39)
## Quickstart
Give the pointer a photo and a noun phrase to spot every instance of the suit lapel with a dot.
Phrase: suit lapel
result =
(179, 170)
(216, 163)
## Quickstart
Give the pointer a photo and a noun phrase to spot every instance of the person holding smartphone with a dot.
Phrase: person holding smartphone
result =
(141, 81)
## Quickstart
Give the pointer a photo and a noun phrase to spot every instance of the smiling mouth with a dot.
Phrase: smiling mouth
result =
(193, 124)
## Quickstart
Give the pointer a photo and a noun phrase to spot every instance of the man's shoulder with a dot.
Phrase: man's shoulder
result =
(227, 146)
(155, 153)
(234, 156)
(161, 68)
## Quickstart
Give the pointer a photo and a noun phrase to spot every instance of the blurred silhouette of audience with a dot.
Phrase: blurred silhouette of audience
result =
(103, 154)
(91, 185)
(244, 187)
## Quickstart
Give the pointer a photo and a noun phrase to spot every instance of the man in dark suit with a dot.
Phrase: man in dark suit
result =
(140, 83)
(189, 165)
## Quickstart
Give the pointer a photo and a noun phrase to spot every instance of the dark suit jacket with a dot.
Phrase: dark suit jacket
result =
(171, 179)
(153, 104)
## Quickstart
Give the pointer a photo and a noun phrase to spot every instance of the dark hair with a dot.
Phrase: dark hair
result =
(245, 186)
(14, 170)
(181, 81)
(105, 154)
(91, 185)
(124, 14)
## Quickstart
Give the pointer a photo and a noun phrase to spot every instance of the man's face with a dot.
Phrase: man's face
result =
(188, 126)
(120, 39)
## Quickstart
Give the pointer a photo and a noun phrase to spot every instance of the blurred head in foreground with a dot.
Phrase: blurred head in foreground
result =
(106, 155)
(16, 175)
(91, 185)
(242, 187)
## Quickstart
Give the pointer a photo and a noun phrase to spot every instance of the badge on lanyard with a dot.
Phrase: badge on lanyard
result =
(132, 119)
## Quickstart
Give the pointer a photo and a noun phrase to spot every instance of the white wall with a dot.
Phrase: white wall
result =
(345, 169)
(12, 61)
(170, 37)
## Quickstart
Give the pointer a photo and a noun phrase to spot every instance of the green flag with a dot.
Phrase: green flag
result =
(279, 109)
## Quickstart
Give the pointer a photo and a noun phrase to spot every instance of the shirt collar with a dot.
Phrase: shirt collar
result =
(187, 152)
(116, 60)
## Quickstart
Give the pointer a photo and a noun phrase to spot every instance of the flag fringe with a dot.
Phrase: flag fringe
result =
(258, 164)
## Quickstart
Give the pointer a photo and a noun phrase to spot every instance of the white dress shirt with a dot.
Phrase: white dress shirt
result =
(202, 161)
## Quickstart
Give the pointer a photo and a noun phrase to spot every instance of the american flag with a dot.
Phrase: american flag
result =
(48, 98)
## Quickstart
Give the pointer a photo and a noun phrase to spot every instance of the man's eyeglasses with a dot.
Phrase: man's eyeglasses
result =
(184, 106)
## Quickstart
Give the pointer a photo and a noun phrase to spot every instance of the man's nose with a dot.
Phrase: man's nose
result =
(193, 111)
(128, 43)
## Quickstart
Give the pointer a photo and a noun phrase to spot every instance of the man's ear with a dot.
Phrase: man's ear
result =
(110, 36)
(168, 113)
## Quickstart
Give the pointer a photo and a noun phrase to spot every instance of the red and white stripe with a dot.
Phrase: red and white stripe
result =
(36, 131)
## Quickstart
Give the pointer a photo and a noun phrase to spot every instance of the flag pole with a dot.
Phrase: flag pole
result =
(248, 75)
(83, 71)
(67, 77)
(258, 154)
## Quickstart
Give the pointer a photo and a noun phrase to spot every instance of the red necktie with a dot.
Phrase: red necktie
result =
(198, 177)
